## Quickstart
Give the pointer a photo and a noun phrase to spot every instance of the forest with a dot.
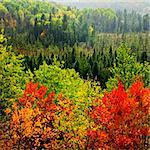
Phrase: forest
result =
(76, 79)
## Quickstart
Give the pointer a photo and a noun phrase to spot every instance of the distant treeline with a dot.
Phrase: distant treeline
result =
(44, 23)
(86, 40)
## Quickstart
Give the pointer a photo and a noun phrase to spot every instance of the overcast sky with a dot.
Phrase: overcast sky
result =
(102, 0)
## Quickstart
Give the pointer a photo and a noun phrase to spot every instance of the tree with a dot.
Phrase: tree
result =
(121, 119)
(144, 57)
(12, 78)
(73, 57)
(3, 10)
(139, 28)
(43, 18)
(64, 20)
(125, 20)
(36, 32)
(95, 70)
(110, 57)
(127, 68)
(146, 23)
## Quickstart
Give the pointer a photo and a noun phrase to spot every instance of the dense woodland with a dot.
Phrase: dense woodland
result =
(69, 76)
(84, 39)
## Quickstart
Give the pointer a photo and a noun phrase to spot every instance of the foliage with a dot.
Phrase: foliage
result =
(58, 29)
(121, 120)
(60, 25)
(76, 114)
(37, 122)
(12, 75)
(127, 69)
(80, 93)
(3, 10)
(57, 79)
(65, 81)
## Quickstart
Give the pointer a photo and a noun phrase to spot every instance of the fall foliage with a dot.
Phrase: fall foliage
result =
(121, 120)
(74, 79)
(38, 120)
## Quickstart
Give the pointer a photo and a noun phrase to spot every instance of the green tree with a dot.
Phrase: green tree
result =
(125, 20)
(127, 69)
(3, 10)
(146, 22)
(12, 76)
(144, 57)
(64, 20)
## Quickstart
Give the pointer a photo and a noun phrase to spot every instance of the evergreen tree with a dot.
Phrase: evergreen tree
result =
(144, 57)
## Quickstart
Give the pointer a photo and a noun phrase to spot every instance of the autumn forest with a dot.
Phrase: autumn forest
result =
(71, 78)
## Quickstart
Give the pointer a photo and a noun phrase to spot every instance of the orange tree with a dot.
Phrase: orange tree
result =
(43, 121)
(37, 121)
(121, 121)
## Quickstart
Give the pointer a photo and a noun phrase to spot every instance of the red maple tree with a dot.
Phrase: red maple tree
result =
(121, 120)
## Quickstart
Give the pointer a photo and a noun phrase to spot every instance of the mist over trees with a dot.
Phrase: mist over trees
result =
(141, 6)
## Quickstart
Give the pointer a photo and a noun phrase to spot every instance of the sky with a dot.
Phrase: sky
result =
(142, 6)
(102, 1)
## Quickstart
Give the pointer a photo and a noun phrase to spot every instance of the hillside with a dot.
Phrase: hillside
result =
(74, 79)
